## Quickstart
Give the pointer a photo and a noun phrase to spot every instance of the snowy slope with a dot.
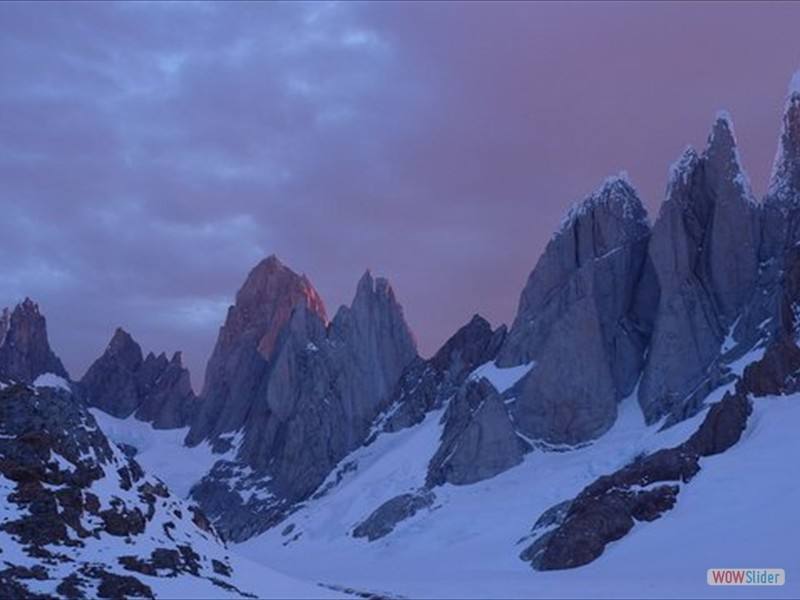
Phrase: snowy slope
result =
(161, 451)
(467, 544)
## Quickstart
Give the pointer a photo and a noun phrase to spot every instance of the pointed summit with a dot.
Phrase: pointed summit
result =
(723, 165)
(704, 249)
(365, 286)
(125, 348)
(122, 383)
(248, 341)
(784, 186)
(24, 348)
(616, 198)
(264, 304)
(583, 304)
(610, 218)
(721, 136)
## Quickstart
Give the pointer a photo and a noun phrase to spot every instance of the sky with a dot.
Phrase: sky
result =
(152, 153)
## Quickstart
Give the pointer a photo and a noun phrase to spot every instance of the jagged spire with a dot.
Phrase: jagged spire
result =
(784, 186)
(722, 161)
(616, 191)
(24, 347)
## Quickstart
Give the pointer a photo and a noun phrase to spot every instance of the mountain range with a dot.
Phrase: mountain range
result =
(644, 361)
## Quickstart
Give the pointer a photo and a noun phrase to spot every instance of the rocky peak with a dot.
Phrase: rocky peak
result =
(371, 291)
(723, 165)
(784, 187)
(264, 305)
(155, 389)
(24, 348)
(177, 359)
(374, 329)
(124, 349)
(248, 343)
(610, 219)
(705, 249)
(470, 346)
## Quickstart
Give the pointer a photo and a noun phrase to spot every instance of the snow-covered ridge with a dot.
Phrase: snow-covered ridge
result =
(52, 380)
(616, 189)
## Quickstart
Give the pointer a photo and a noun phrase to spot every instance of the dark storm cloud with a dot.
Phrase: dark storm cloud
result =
(151, 153)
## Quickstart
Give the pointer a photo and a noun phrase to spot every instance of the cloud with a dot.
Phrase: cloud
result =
(152, 153)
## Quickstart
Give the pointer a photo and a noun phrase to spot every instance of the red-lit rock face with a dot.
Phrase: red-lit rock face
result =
(265, 302)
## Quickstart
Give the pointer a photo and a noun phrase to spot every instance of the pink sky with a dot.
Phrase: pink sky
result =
(152, 154)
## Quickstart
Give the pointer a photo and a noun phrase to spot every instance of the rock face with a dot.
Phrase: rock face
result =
(246, 343)
(590, 301)
(427, 384)
(24, 349)
(156, 389)
(704, 247)
(782, 203)
(79, 518)
(578, 530)
(383, 521)
(302, 392)
(478, 441)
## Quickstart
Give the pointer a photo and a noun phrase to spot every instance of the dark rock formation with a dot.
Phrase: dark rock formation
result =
(387, 516)
(606, 509)
(427, 384)
(156, 389)
(24, 349)
(782, 203)
(478, 441)
(66, 491)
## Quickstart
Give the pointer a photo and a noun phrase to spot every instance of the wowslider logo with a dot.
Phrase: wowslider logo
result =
(746, 577)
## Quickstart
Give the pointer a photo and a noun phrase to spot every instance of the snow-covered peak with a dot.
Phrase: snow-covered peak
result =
(723, 118)
(681, 169)
(722, 144)
(784, 186)
(617, 192)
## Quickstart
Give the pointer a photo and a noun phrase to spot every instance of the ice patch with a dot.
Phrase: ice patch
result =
(162, 452)
(52, 380)
(501, 378)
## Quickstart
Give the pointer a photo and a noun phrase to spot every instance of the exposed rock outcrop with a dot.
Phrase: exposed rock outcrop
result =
(589, 302)
(66, 493)
(578, 530)
(782, 202)
(478, 441)
(25, 352)
(427, 384)
(310, 393)
(387, 516)
(704, 247)
(153, 388)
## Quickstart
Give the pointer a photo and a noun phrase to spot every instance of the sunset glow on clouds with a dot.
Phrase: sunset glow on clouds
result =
(151, 154)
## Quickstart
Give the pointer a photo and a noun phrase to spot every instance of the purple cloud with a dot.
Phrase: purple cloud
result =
(151, 154)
